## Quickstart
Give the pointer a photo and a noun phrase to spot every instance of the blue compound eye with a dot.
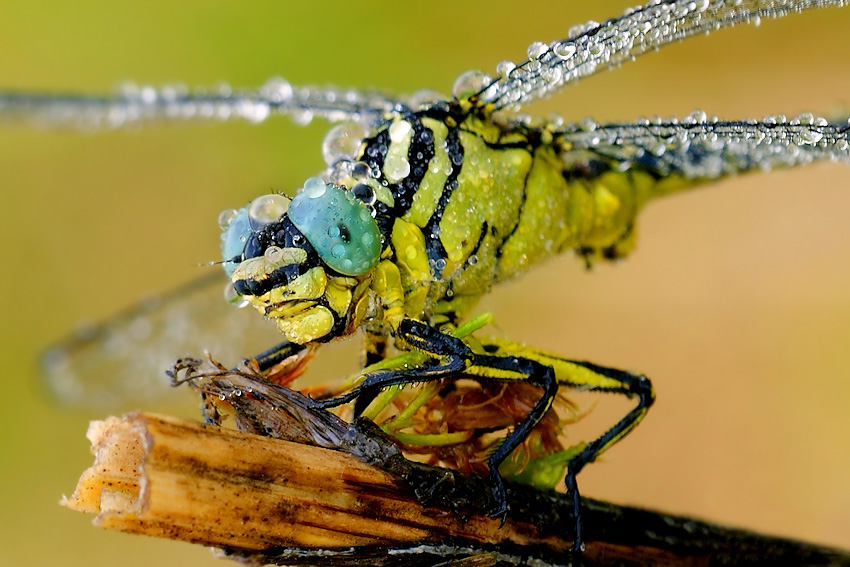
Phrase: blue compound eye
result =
(338, 225)
(237, 230)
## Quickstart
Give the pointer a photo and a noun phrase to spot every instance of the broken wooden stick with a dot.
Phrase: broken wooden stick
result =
(173, 478)
(268, 500)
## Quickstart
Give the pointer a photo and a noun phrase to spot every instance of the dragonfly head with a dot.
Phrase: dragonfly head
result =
(305, 263)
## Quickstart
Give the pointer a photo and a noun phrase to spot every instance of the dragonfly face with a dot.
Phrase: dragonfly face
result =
(304, 263)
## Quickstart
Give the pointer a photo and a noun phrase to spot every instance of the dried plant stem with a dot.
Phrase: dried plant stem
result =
(166, 477)
(268, 500)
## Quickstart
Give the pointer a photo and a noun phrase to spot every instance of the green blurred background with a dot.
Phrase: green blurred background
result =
(735, 303)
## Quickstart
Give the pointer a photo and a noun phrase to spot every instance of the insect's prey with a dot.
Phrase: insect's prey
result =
(426, 203)
(261, 402)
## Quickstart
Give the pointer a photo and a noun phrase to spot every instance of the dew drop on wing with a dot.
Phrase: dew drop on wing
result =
(120, 363)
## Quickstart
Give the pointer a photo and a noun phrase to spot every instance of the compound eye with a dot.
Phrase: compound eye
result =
(338, 226)
(237, 231)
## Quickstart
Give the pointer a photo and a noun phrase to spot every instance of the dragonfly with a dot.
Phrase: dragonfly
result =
(598, 175)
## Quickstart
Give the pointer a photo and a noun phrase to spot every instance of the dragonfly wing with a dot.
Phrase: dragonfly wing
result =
(134, 105)
(593, 47)
(122, 361)
(701, 148)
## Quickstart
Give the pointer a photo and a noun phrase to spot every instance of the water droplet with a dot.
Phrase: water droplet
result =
(564, 49)
(276, 90)
(810, 136)
(536, 50)
(424, 98)
(267, 209)
(314, 188)
(339, 172)
(361, 171)
(147, 95)
(805, 118)
(695, 117)
(302, 117)
(273, 254)
(342, 142)
(399, 129)
(233, 298)
(252, 111)
(588, 125)
(364, 193)
(470, 83)
(504, 68)
(396, 168)
(226, 218)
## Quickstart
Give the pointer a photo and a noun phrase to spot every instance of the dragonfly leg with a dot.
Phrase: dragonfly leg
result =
(454, 357)
(630, 385)
(513, 368)
(585, 376)
(511, 362)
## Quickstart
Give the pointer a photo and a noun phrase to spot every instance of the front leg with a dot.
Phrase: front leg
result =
(454, 355)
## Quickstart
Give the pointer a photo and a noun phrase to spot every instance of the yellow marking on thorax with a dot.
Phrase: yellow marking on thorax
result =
(428, 194)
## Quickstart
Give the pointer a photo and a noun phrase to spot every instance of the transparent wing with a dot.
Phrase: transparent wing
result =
(121, 362)
(593, 47)
(699, 147)
(135, 105)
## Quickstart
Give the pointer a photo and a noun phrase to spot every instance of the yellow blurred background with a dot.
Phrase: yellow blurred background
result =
(736, 302)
